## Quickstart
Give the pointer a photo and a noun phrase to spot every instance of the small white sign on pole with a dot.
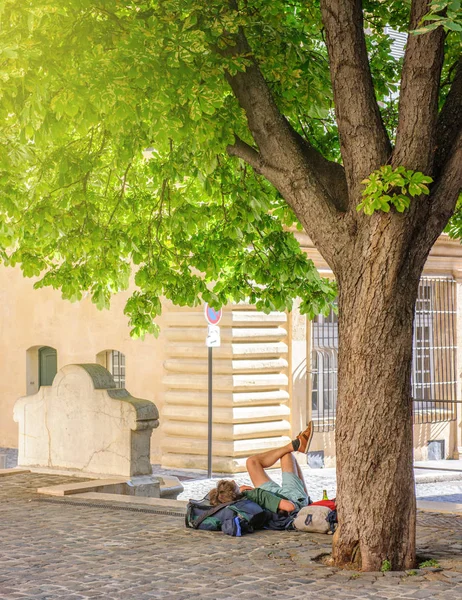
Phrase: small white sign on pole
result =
(213, 339)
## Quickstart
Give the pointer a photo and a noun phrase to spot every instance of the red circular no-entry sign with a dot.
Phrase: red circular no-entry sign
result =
(212, 316)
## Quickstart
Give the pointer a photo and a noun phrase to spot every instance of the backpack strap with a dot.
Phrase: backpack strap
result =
(197, 522)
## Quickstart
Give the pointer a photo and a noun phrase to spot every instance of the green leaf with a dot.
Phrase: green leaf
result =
(411, 184)
(452, 25)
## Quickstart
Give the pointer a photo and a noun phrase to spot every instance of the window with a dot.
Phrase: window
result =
(422, 344)
(41, 367)
(116, 366)
(324, 331)
(114, 362)
(434, 371)
(324, 344)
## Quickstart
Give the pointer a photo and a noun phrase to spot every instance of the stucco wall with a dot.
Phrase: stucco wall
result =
(78, 331)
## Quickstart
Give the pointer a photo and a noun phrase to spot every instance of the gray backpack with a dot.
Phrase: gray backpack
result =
(315, 519)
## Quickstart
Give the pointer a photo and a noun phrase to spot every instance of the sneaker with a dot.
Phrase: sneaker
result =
(305, 437)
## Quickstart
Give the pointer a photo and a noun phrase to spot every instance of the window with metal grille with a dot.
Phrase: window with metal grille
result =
(434, 369)
(324, 344)
(116, 366)
(434, 372)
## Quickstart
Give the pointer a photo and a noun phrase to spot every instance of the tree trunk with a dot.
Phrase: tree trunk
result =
(377, 260)
(374, 445)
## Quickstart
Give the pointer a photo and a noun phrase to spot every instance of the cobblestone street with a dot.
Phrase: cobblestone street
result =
(57, 549)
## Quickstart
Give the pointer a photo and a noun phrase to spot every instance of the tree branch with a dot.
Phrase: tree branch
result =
(242, 150)
(447, 189)
(450, 121)
(288, 161)
(363, 139)
(418, 105)
(436, 210)
(270, 130)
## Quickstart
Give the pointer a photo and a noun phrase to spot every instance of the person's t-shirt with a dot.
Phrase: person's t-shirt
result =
(265, 499)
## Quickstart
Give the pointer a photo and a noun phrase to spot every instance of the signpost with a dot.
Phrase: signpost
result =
(212, 341)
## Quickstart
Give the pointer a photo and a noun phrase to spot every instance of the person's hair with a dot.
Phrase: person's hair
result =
(224, 492)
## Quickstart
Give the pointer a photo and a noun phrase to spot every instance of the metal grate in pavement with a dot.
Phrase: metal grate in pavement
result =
(424, 519)
(106, 505)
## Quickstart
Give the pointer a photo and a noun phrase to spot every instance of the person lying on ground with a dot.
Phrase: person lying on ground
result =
(290, 496)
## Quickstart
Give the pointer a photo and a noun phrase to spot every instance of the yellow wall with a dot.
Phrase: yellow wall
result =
(78, 331)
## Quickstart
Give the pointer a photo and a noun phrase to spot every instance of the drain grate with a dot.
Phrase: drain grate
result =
(105, 505)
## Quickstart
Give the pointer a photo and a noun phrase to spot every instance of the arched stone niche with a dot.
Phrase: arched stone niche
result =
(83, 423)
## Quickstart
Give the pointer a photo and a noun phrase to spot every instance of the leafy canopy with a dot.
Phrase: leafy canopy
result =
(115, 118)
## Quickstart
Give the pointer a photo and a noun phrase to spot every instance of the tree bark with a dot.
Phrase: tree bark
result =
(374, 441)
(449, 121)
(364, 141)
(418, 98)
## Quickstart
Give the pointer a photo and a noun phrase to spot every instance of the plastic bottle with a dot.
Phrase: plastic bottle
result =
(324, 495)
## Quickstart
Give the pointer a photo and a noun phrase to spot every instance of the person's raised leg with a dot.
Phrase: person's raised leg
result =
(301, 476)
(289, 464)
(303, 440)
(257, 464)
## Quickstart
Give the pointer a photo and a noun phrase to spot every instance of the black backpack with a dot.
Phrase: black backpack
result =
(233, 518)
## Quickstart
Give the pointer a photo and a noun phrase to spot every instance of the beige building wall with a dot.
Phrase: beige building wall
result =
(262, 370)
(251, 411)
(78, 331)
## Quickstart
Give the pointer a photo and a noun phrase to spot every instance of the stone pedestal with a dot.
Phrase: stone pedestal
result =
(146, 486)
(83, 423)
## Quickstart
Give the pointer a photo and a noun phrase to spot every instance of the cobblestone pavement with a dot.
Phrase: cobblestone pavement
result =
(60, 550)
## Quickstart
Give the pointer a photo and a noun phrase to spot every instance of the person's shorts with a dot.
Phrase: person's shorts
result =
(291, 489)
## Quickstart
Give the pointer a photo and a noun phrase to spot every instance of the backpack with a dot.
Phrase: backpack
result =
(233, 518)
(319, 517)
